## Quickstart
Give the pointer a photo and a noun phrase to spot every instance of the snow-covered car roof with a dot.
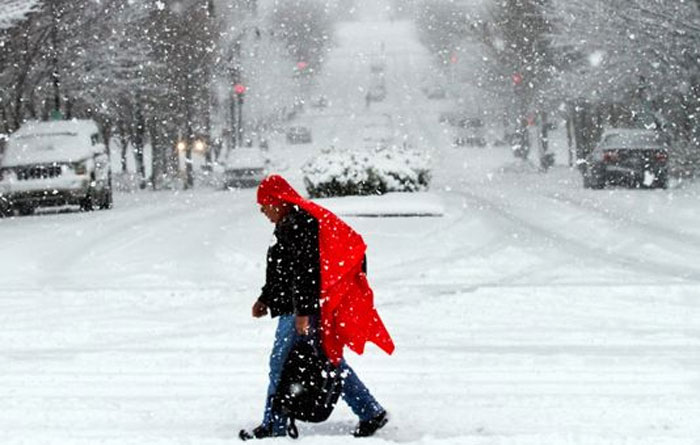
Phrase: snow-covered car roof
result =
(627, 131)
(631, 138)
(298, 129)
(55, 141)
(244, 158)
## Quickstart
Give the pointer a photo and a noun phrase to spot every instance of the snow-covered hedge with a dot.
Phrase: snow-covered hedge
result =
(366, 172)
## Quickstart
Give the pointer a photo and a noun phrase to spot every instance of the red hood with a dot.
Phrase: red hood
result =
(348, 315)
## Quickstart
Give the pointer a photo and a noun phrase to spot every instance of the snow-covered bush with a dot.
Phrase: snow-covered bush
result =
(366, 172)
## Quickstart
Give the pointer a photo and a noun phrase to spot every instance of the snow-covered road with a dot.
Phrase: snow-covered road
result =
(533, 312)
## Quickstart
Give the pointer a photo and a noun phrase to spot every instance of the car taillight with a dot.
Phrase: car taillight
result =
(80, 168)
(661, 156)
(610, 156)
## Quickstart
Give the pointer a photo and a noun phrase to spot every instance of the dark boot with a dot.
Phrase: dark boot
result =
(261, 432)
(369, 427)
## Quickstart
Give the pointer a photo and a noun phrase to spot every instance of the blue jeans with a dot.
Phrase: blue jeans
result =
(355, 393)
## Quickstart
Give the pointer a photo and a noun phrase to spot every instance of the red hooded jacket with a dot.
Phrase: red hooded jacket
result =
(348, 315)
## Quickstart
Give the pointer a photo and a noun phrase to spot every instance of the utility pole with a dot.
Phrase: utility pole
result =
(522, 136)
(239, 90)
(233, 125)
(189, 140)
(235, 80)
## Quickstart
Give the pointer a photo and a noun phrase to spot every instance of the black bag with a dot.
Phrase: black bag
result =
(309, 386)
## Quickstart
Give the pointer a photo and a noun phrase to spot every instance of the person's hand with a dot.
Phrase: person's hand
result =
(259, 309)
(302, 324)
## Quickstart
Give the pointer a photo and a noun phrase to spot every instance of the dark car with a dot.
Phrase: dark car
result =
(377, 65)
(435, 92)
(451, 118)
(298, 135)
(471, 132)
(319, 102)
(376, 93)
(628, 157)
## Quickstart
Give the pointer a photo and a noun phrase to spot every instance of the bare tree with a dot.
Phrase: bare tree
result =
(306, 28)
(184, 42)
(636, 63)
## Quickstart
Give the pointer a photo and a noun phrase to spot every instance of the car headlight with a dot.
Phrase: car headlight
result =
(200, 146)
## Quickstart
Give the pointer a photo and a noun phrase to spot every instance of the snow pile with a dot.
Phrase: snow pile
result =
(366, 172)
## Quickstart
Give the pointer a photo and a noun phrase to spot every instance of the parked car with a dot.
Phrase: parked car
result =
(377, 65)
(320, 101)
(630, 157)
(244, 167)
(451, 118)
(377, 137)
(55, 163)
(471, 131)
(299, 135)
(376, 92)
(435, 92)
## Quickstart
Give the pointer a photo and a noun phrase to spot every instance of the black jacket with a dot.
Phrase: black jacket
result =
(293, 275)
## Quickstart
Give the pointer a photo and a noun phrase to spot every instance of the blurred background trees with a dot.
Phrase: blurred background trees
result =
(306, 28)
(153, 73)
(593, 63)
(160, 74)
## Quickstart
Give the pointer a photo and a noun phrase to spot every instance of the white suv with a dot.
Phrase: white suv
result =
(55, 163)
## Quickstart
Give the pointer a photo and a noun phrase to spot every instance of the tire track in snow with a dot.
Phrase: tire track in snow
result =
(93, 228)
(114, 229)
(422, 126)
(656, 229)
(556, 239)
(119, 235)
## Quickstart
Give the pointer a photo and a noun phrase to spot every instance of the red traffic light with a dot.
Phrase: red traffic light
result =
(517, 78)
(454, 58)
(301, 65)
(239, 89)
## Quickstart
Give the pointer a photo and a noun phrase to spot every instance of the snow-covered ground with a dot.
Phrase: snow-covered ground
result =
(532, 312)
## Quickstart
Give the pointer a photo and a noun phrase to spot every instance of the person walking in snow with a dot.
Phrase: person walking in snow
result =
(316, 285)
